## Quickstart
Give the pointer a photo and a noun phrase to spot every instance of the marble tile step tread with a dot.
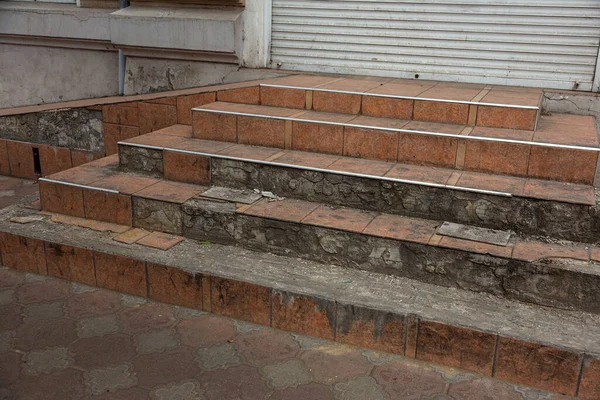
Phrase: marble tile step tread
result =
(556, 129)
(547, 348)
(177, 138)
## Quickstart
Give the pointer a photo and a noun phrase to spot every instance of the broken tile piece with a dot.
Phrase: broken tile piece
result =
(160, 240)
(131, 236)
(474, 233)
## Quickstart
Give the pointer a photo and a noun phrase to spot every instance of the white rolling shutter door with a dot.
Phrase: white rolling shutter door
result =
(551, 43)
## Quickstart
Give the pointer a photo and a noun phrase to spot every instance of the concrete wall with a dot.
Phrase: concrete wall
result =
(38, 74)
(59, 52)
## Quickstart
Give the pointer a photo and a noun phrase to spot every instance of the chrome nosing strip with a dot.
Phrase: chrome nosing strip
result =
(331, 171)
(395, 96)
(400, 130)
(77, 185)
(143, 146)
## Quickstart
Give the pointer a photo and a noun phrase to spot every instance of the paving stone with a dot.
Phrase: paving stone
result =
(48, 360)
(41, 334)
(363, 387)
(101, 351)
(134, 393)
(110, 379)
(92, 304)
(483, 389)
(10, 278)
(379, 358)
(150, 342)
(11, 317)
(65, 384)
(266, 347)
(97, 326)
(408, 380)
(183, 391)
(79, 288)
(335, 363)
(9, 367)
(147, 316)
(205, 331)
(42, 291)
(129, 300)
(7, 296)
(187, 313)
(240, 383)
(309, 342)
(44, 311)
(219, 356)
(452, 375)
(7, 339)
(290, 373)
(246, 327)
(157, 369)
(312, 391)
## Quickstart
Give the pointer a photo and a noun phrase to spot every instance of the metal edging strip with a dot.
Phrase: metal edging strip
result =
(381, 128)
(324, 170)
(394, 96)
(77, 185)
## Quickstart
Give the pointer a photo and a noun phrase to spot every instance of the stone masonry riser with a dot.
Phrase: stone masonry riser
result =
(537, 283)
(527, 216)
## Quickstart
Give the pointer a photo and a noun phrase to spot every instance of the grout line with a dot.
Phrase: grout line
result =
(147, 280)
(276, 155)
(580, 375)
(418, 322)
(495, 356)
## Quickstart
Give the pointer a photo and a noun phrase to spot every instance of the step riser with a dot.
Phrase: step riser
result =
(401, 108)
(506, 158)
(329, 318)
(523, 215)
(220, 223)
(501, 276)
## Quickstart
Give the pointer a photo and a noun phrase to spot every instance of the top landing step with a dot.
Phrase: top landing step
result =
(445, 102)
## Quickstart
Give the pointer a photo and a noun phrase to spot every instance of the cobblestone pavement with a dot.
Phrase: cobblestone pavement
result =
(65, 341)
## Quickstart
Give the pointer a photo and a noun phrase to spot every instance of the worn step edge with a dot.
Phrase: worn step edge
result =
(546, 348)
(414, 250)
(214, 110)
(570, 220)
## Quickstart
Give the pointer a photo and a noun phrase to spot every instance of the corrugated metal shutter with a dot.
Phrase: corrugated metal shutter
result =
(550, 43)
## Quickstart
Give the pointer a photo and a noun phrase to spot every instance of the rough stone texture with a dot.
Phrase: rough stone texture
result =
(77, 128)
(213, 361)
(156, 215)
(141, 160)
(572, 287)
(524, 215)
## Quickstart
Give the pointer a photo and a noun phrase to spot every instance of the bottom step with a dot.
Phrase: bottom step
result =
(550, 349)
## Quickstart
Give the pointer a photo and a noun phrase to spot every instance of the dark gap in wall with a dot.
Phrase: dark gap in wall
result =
(37, 166)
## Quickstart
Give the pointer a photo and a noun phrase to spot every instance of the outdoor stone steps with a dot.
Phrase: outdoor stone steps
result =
(527, 206)
(564, 275)
(564, 148)
(547, 348)
(408, 99)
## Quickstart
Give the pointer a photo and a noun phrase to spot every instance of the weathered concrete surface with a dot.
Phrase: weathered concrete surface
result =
(547, 282)
(197, 356)
(151, 75)
(77, 128)
(573, 103)
(573, 330)
(38, 74)
(528, 216)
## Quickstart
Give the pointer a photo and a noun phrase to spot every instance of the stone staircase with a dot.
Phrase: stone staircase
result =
(451, 223)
